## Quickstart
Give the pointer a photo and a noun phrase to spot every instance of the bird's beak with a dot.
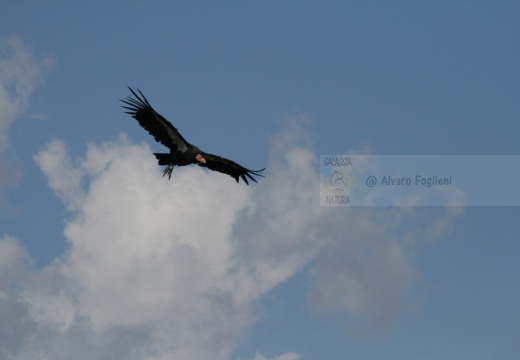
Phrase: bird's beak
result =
(199, 158)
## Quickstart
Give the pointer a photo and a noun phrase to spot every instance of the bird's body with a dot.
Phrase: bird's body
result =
(181, 153)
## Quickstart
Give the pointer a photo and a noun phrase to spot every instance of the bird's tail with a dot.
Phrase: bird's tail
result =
(163, 159)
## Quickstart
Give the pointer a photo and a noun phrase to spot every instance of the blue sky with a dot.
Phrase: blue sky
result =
(102, 258)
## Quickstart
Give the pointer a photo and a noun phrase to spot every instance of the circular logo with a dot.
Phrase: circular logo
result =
(338, 181)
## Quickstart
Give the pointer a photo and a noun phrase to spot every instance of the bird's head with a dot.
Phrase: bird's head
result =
(200, 158)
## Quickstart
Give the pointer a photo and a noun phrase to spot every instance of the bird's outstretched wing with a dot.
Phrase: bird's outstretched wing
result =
(160, 128)
(226, 166)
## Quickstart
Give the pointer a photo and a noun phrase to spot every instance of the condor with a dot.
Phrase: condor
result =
(181, 152)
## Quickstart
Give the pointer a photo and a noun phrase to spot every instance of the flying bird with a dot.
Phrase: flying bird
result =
(181, 152)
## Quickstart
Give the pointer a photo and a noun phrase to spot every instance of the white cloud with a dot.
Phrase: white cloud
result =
(366, 277)
(160, 269)
(19, 73)
(12, 256)
(66, 179)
